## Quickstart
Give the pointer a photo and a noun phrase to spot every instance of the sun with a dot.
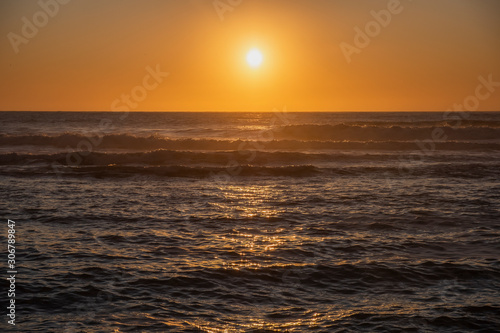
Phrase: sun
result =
(255, 58)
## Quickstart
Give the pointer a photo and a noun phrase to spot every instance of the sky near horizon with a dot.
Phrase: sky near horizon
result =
(103, 55)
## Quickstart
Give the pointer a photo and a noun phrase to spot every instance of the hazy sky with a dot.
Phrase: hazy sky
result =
(99, 55)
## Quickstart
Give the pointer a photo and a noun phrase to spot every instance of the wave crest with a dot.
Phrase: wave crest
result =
(304, 138)
(343, 132)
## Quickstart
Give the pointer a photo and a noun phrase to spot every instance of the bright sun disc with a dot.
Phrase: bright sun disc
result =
(254, 58)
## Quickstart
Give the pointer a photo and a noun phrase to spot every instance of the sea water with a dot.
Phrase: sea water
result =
(252, 222)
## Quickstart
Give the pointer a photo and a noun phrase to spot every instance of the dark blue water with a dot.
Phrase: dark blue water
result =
(277, 222)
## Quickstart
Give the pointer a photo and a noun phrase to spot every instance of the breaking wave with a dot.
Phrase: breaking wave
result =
(287, 138)
(385, 133)
(221, 173)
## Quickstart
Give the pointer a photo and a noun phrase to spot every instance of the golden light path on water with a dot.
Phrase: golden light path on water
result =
(249, 247)
(250, 202)
(253, 202)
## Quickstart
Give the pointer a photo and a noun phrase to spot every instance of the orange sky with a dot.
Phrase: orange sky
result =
(91, 54)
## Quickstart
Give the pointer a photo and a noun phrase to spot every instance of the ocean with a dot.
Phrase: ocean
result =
(252, 222)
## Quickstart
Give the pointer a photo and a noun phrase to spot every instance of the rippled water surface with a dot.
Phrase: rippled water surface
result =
(253, 222)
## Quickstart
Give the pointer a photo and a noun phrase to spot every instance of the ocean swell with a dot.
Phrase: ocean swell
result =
(288, 138)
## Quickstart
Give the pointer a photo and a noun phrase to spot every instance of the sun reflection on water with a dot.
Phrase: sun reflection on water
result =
(257, 240)
(265, 325)
(249, 201)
